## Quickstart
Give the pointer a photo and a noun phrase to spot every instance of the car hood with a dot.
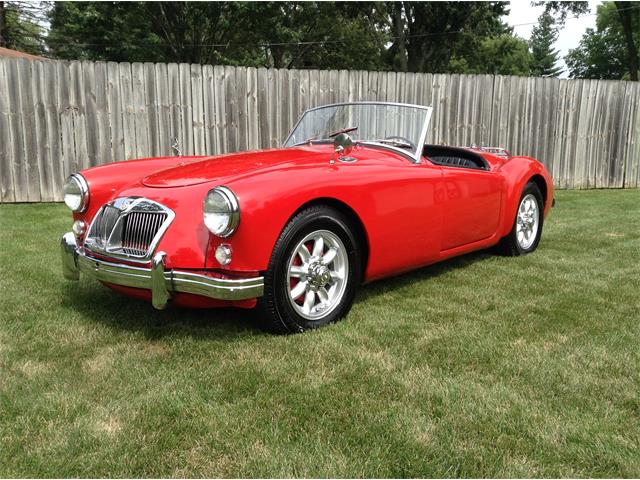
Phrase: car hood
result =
(223, 167)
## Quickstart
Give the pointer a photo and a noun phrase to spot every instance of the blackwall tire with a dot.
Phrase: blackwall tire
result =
(313, 273)
(526, 231)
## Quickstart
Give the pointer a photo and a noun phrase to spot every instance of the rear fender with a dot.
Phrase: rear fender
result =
(518, 171)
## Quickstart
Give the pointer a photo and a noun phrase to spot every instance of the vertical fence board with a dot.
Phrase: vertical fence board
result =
(253, 142)
(231, 109)
(175, 113)
(186, 109)
(28, 125)
(241, 108)
(163, 109)
(6, 158)
(208, 96)
(78, 101)
(115, 112)
(19, 171)
(153, 107)
(197, 118)
(44, 158)
(128, 110)
(91, 109)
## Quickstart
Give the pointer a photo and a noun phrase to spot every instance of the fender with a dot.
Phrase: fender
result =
(518, 171)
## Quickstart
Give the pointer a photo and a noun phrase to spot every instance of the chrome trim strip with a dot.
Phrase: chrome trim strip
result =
(160, 281)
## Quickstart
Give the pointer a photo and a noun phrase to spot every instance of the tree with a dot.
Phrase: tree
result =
(603, 51)
(544, 57)
(21, 26)
(502, 55)
(629, 14)
(429, 35)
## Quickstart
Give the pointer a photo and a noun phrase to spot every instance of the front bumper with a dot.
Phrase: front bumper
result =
(162, 283)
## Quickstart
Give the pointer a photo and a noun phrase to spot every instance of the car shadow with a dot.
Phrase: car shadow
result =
(119, 312)
(379, 287)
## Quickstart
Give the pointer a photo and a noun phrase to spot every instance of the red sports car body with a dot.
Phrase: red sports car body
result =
(140, 229)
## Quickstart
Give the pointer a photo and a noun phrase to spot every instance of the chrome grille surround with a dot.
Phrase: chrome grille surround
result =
(128, 228)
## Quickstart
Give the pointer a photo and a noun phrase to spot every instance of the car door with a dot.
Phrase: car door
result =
(471, 207)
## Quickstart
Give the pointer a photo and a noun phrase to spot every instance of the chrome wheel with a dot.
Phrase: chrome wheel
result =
(317, 274)
(527, 221)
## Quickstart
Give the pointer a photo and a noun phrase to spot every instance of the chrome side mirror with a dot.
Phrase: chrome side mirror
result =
(343, 144)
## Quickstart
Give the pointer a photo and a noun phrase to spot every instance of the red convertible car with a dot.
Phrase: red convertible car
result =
(354, 195)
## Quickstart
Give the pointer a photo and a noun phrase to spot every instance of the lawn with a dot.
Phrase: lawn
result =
(479, 366)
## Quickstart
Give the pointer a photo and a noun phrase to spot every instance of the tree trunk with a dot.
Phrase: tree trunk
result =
(4, 40)
(632, 50)
(398, 24)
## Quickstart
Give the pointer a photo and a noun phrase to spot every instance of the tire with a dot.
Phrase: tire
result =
(528, 216)
(302, 294)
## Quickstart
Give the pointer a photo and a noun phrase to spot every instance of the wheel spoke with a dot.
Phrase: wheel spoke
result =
(323, 295)
(318, 246)
(329, 256)
(304, 253)
(298, 290)
(309, 301)
(335, 276)
(297, 271)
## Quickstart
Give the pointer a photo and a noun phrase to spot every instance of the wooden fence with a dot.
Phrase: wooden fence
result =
(60, 117)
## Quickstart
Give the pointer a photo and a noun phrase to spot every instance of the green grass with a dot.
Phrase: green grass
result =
(480, 366)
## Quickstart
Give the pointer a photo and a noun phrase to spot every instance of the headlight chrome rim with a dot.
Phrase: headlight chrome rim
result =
(83, 186)
(233, 211)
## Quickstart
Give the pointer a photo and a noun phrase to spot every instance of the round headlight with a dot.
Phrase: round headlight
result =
(221, 211)
(76, 193)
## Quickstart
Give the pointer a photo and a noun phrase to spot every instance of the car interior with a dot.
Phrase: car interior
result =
(454, 157)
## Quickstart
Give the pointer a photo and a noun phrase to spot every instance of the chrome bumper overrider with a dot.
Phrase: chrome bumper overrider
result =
(162, 283)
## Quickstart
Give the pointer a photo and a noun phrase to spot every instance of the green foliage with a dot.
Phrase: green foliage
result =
(602, 52)
(404, 36)
(23, 29)
(563, 8)
(237, 33)
(544, 56)
(503, 55)
(481, 366)
(432, 36)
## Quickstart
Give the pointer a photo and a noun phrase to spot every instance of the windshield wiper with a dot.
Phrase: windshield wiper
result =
(342, 130)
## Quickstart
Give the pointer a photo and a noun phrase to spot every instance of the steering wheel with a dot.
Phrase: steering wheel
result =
(403, 139)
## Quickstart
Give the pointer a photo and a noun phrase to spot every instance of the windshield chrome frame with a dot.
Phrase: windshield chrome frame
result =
(415, 155)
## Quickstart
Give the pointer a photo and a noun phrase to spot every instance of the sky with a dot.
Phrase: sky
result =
(570, 35)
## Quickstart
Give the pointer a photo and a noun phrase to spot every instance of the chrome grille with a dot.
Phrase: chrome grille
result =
(129, 228)
(139, 229)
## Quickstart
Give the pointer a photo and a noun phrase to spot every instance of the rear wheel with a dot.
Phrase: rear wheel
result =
(527, 226)
(313, 272)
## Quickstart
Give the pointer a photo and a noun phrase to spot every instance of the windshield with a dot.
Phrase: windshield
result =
(397, 126)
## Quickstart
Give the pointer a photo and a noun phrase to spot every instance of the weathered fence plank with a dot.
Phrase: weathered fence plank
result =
(7, 164)
(59, 117)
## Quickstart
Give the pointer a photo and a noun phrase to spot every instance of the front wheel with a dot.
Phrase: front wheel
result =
(527, 226)
(313, 272)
